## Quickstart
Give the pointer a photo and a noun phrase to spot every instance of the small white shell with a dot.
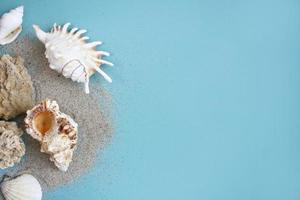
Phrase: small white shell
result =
(68, 53)
(11, 25)
(23, 187)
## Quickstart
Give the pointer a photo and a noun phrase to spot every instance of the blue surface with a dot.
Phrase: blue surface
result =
(207, 97)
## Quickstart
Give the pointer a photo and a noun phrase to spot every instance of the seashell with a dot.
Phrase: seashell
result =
(11, 25)
(16, 88)
(56, 131)
(12, 147)
(22, 187)
(69, 54)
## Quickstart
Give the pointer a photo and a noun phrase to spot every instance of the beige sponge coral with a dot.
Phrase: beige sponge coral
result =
(12, 147)
(16, 90)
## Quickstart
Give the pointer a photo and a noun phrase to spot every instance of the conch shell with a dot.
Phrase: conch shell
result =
(69, 54)
(56, 131)
(11, 25)
(22, 187)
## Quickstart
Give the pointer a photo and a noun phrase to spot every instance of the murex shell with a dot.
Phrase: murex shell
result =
(22, 187)
(11, 25)
(56, 131)
(69, 54)
(12, 147)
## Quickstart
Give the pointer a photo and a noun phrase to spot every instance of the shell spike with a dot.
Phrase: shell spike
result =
(73, 30)
(103, 61)
(102, 53)
(106, 63)
(84, 38)
(105, 76)
(42, 36)
(78, 33)
(86, 86)
(65, 27)
(92, 44)
(53, 28)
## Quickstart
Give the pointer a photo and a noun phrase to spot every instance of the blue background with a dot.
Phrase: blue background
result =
(207, 97)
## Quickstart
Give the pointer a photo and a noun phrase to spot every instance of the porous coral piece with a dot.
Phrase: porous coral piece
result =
(56, 131)
(16, 90)
(12, 147)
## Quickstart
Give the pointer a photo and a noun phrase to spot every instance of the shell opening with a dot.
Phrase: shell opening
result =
(43, 122)
(14, 32)
(11, 36)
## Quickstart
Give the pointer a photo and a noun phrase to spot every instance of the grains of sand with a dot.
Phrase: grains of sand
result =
(91, 112)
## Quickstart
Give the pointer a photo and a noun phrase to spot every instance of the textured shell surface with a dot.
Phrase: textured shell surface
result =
(12, 147)
(11, 25)
(69, 53)
(56, 132)
(16, 87)
(22, 187)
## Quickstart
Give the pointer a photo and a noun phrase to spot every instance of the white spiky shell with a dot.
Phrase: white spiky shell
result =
(69, 54)
(11, 25)
(23, 187)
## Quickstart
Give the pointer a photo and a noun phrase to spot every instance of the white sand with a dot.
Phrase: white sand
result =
(91, 112)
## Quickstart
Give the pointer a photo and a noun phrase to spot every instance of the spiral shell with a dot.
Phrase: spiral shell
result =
(11, 25)
(56, 131)
(23, 187)
(69, 54)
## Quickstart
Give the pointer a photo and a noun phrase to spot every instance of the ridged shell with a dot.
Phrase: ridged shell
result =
(69, 54)
(56, 131)
(23, 187)
(11, 25)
